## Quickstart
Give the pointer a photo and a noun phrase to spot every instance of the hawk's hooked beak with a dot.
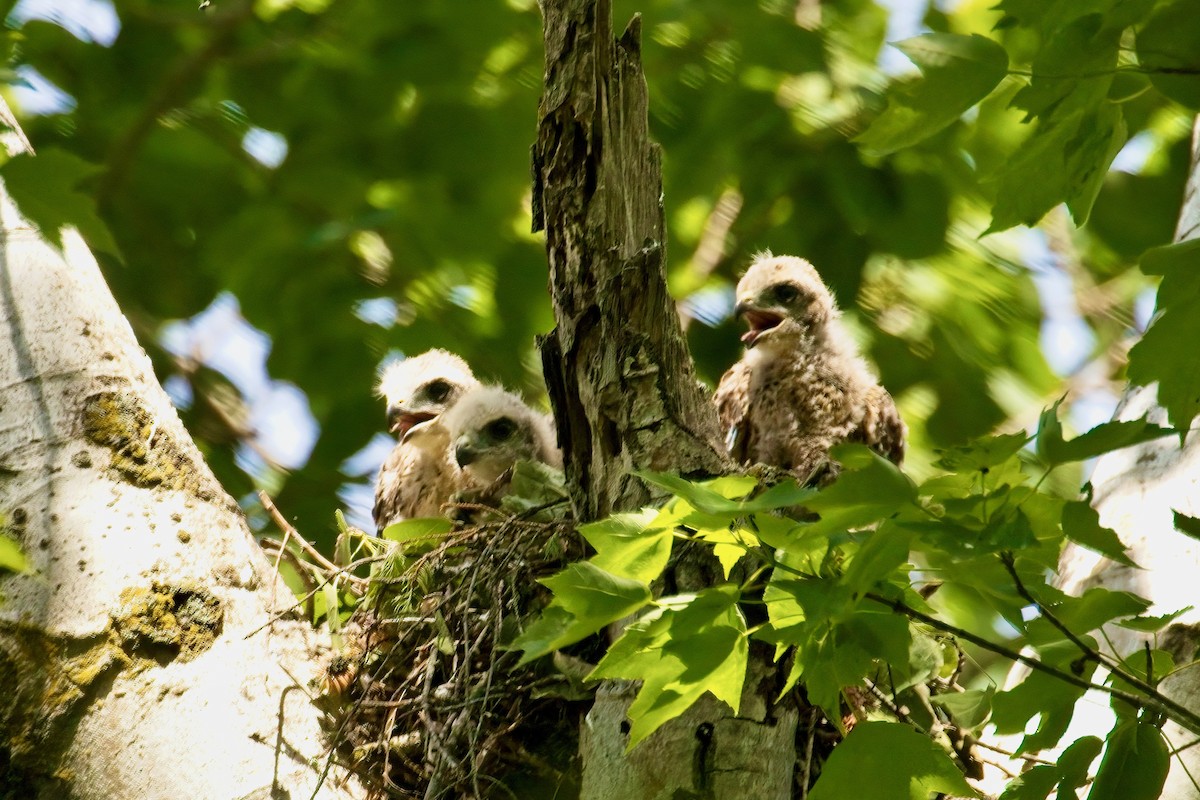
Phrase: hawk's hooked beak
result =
(760, 322)
(401, 421)
(465, 454)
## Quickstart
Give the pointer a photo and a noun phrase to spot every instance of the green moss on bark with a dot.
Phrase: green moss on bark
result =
(142, 453)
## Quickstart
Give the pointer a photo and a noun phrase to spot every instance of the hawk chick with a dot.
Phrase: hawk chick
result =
(801, 386)
(490, 431)
(420, 474)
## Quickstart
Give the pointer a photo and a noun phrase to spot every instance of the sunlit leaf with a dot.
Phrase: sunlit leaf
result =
(691, 645)
(1135, 764)
(11, 557)
(1152, 624)
(1081, 524)
(1103, 438)
(1080, 615)
(1070, 773)
(869, 488)
(1045, 696)
(630, 545)
(958, 72)
(586, 598)
(968, 709)
(889, 761)
(1063, 161)
(981, 453)
(883, 551)
(419, 530)
(1157, 357)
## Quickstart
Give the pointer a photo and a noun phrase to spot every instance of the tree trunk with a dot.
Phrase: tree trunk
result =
(624, 390)
(140, 660)
(619, 374)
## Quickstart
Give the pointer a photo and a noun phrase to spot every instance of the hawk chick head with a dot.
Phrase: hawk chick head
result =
(784, 301)
(419, 389)
(492, 429)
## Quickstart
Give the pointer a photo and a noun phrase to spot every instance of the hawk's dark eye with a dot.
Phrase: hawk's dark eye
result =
(437, 391)
(500, 429)
(784, 294)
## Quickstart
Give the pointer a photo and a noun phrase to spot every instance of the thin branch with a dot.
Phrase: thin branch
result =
(290, 531)
(1110, 664)
(1179, 714)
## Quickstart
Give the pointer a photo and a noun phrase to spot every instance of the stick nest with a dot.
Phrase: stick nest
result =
(430, 703)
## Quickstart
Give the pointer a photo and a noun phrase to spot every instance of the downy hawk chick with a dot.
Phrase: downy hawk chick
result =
(801, 386)
(490, 431)
(420, 474)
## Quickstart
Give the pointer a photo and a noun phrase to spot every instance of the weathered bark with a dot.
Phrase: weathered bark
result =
(617, 366)
(624, 390)
(1136, 491)
(130, 661)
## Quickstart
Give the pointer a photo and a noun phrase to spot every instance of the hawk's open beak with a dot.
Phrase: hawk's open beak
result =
(760, 322)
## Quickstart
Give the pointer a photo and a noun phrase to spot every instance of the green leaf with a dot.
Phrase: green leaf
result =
(1150, 666)
(46, 190)
(586, 598)
(1135, 764)
(720, 496)
(422, 531)
(958, 72)
(1050, 16)
(884, 550)
(632, 545)
(1070, 773)
(849, 652)
(1086, 48)
(969, 709)
(981, 453)
(1152, 624)
(535, 485)
(1064, 160)
(730, 542)
(869, 488)
(1104, 438)
(1157, 356)
(1081, 524)
(888, 761)
(1044, 696)
(1168, 47)
(1080, 615)
(1187, 525)
(702, 496)
(690, 645)
(11, 557)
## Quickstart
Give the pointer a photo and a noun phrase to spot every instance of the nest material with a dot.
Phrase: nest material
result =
(433, 705)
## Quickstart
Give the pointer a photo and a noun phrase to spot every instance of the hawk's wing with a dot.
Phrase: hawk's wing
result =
(733, 405)
(389, 489)
(881, 428)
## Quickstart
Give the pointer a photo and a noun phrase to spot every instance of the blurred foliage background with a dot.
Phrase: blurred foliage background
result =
(284, 194)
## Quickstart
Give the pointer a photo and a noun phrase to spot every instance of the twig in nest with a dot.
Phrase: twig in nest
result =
(290, 532)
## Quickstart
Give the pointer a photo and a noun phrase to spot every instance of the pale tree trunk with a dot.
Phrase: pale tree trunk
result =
(625, 393)
(1136, 492)
(139, 661)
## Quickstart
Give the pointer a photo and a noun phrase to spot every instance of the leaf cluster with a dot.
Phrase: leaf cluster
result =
(848, 583)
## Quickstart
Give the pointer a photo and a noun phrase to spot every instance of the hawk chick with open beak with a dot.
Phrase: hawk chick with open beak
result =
(801, 387)
(420, 474)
